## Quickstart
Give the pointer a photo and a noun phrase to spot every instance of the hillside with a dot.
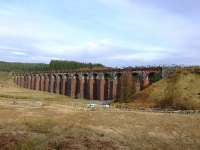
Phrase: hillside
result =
(53, 65)
(17, 66)
(71, 65)
(181, 91)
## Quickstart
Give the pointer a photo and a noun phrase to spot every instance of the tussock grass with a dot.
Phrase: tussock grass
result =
(177, 92)
(44, 125)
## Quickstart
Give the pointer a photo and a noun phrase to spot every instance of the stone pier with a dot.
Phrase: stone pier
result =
(89, 84)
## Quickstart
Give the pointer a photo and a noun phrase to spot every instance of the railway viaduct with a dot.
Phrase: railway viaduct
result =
(101, 84)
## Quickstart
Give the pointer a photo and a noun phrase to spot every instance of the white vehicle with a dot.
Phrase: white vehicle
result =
(92, 106)
(106, 106)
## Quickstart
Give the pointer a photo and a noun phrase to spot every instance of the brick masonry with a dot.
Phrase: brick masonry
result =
(100, 84)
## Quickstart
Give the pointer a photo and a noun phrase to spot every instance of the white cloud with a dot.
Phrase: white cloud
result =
(121, 30)
(19, 53)
(143, 56)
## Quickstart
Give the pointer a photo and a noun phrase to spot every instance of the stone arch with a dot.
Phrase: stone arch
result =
(145, 80)
(33, 82)
(54, 82)
(95, 86)
(137, 81)
(39, 77)
(42, 82)
(19, 79)
(37, 81)
(68, 85)
(77, 86)
(51, 83)
(29, 81)
(73, 85)
(25, 81)
(46, 82)
(117, 85)
(22, 81)
(154, 76)
(108, 85)
(86, 86)
(102, 86)
(57, 86)
(16, 79)
(63, 84)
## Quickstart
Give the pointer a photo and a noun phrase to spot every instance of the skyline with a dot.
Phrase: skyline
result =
(111, 32)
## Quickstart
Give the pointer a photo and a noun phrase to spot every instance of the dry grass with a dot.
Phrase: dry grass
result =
(179, 92)
(37, 120)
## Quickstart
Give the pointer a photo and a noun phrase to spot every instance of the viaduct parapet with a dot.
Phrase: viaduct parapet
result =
(104, 84)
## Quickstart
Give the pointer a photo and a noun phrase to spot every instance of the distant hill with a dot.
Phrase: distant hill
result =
(16, 66)
(71, 65)
(53, 66)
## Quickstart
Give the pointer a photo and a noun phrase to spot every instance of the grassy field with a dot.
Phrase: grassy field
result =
(31, 120)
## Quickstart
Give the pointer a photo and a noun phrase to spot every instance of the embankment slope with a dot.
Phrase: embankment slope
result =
(181, 91)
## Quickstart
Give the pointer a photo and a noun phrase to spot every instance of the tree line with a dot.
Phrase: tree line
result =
(54, 65)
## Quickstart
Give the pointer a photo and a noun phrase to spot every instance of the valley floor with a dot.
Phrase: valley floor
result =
(38, 120)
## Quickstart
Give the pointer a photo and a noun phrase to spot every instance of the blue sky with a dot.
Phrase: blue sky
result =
(112, 32)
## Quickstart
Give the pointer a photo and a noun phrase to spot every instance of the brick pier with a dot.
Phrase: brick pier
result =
(102, 84)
